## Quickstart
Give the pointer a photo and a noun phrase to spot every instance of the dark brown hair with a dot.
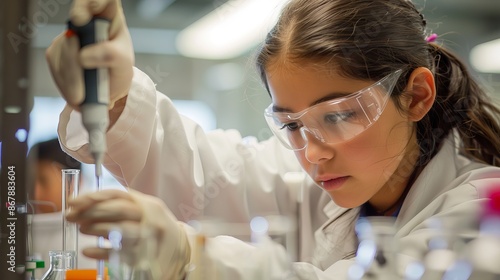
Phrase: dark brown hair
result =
(50, 150)
(369, 39)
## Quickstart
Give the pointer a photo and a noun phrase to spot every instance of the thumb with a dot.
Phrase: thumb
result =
(82, 11)
(71, 80)
(67, 76)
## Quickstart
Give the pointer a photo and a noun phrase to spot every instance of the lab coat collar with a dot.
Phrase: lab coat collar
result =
(434, 179)
(440, 171)
(334, 243)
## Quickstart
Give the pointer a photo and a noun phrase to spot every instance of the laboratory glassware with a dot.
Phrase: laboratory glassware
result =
(483, 253)
(131, 254)
(265, 233)
(377, 249)
(60, 262)
(70, 189)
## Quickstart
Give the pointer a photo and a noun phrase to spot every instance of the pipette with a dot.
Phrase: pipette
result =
(94, 108)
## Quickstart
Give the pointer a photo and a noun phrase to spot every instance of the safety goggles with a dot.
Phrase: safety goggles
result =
(334, 121)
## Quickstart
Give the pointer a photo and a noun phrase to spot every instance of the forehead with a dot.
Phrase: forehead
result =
(298, 86)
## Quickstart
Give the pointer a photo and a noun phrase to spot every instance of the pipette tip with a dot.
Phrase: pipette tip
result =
(98, 169)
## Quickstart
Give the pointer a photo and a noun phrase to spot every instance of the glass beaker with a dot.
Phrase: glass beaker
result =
(377, 249)
(265, 233)
(130, 255)
(70, 189)
(60, 261)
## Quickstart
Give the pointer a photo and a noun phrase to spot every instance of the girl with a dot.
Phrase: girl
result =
(384, 121)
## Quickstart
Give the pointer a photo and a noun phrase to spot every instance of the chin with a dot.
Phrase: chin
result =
(345, 202)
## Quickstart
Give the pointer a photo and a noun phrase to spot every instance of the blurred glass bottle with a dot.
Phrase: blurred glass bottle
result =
(130, 254)
(484, 251)
(60, 261)
(376, 254)
(444, 250)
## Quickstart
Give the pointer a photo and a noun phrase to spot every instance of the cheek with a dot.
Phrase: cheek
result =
(38, 194)
(375, 156)
(383, 141)
(53, 190)
(302, 159)
(368, 148)
(56, 190)
(310, 168)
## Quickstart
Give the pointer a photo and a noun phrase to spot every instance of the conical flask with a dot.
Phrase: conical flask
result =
(60, 261)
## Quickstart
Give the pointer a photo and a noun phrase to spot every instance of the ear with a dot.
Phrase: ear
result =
(422, 91)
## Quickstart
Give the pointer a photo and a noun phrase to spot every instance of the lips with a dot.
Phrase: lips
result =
(333, 183)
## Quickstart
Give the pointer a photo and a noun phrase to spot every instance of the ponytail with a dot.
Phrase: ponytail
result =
(463, 105)
(369, 39)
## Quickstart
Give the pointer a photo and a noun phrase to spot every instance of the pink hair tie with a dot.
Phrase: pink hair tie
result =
(431, 38)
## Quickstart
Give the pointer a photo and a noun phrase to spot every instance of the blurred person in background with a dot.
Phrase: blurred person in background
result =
(47, 160)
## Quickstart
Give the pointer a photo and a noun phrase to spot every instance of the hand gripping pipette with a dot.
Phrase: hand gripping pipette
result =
(94, 108)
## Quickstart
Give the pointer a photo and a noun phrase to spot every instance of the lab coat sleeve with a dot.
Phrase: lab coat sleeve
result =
(155, 150)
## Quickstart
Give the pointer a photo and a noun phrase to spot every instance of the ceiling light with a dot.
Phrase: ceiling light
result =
(484, 57)
(230, 30)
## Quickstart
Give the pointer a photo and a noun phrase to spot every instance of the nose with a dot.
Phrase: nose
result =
(316, 150)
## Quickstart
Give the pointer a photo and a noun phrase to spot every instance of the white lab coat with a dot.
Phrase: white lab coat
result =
(155, 150)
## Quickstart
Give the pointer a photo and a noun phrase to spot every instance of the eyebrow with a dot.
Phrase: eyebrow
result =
(328, 97)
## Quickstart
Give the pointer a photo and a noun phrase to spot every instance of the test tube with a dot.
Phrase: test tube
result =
(70, 188)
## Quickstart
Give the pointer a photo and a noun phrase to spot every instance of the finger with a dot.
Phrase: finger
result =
(113, 210)
(96, 253)
(110, 211)
(130, 229)
(85, 201)
(52, 52)
(99, 55)
(71, 73)
(113, 52)
(83, 10)
(68, 76)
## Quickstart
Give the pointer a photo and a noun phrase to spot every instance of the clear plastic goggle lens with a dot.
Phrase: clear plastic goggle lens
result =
(333, 121)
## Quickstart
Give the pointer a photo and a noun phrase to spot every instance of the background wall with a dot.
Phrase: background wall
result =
(231, 87)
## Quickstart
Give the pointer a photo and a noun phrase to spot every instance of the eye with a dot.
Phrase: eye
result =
(291, 126)
(337, 117)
